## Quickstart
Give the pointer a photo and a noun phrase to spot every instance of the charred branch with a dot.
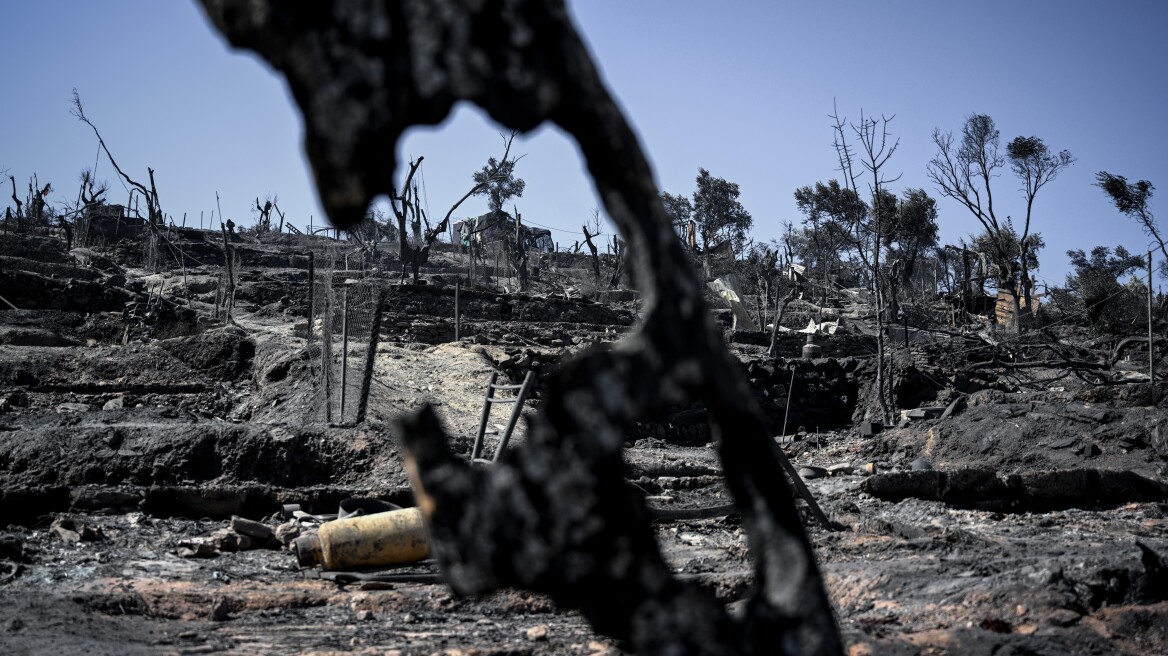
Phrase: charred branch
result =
(546, 518)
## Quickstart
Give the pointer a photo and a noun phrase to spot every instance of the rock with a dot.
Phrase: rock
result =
(91, 534)
(251, 528)
(364, 615)
(839, 469)
(287, 532)
(1062, 617)
(227, 540)
(73, 407)
(11, 548)
(197, 549)
(220, 609)
(811, 472)
(65, 529)
(116, 403)
(1159, 442)
(955, 406)
(870, 428)
(1063, 443)
(538, 633)
(1088, 450)
(920, 464)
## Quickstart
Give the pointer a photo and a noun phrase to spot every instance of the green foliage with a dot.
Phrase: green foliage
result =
(914, 230)
(718, 213)
(498, 183)
(1130, 199)
(677, 208)
(1095, 282)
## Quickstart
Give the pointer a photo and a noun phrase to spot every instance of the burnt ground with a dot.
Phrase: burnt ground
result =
(1012, 524)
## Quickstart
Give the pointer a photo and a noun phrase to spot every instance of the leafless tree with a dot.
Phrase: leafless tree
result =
(963, 171)
(153, 208)
(872, 236)
(406, 207)
(595, 224)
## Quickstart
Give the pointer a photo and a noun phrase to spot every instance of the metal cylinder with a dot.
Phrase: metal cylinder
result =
(383, 539)
(811, 350)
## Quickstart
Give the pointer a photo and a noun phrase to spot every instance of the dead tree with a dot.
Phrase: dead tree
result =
(618, 263)
(515, 248)
(264, 223)
(595, 254)
(554, 516)
(405, 207)
(153, 208)
(16, 199)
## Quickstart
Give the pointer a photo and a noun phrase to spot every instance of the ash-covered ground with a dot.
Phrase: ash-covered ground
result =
(1014, 510)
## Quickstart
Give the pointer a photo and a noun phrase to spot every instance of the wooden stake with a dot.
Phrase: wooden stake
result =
(1151, 343)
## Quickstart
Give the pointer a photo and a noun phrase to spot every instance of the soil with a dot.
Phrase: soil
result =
(1030, 517)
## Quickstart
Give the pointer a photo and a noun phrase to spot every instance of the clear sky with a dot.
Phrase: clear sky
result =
(743, 89)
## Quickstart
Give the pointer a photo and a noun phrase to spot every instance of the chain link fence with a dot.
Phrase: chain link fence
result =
(343, 331)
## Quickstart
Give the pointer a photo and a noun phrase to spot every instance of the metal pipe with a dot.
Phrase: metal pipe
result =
(344, 345)
(311, 285)
(1151, 342)
(790, 387)
(515, 412)
(478, 443)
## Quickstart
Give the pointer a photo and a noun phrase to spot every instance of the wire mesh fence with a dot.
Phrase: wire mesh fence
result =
(228, 280)
(343, 330)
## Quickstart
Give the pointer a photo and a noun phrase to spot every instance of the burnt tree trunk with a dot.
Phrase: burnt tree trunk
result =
(555, 516)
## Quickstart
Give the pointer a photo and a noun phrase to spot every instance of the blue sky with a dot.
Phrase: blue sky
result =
(743, 89)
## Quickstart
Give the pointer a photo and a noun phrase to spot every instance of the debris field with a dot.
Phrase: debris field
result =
(148, 450)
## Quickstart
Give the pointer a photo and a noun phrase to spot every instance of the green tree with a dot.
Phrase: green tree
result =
(497, 180)
(1096, 283)
(679, 209)
(832, 220)
(719, 216)
(1131, 199)
(914, 231)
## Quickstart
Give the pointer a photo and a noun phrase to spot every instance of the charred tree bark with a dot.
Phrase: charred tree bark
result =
(595, 255)
(552, 516)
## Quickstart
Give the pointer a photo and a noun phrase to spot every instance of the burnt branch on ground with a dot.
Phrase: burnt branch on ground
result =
(365, 72)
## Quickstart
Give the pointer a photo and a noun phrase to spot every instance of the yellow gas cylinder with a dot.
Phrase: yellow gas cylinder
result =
(397, 537)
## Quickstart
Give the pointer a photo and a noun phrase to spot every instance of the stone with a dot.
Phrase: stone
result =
(870, 428)
(65, 529)
(364, 615)
(1088, 450)
(1062, 617)
(220, 609)
(920, 464)
(73, 407)
(811, 472)
(538, 633)
(11, 548)
(955, 406)
(1159, 442)
(116, 403)
(287, 532)
(252, 528)
(840, 469)
(226, 540)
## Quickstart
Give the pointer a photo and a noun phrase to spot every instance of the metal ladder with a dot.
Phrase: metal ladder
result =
(521, 393)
